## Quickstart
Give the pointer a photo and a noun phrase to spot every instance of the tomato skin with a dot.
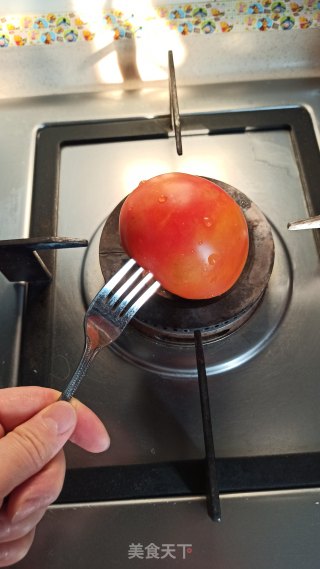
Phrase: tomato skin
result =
(188, 232)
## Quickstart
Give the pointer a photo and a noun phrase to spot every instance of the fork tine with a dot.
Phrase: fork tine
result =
(140, 301)
(103, 293)
(117, 294)
(132, 294)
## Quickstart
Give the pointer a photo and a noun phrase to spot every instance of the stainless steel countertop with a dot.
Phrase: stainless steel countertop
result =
(278, 530)
(258, 531)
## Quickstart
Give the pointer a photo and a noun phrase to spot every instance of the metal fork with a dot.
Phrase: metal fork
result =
(109, 313)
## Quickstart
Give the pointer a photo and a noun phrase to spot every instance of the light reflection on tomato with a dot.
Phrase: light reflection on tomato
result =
(188, 232)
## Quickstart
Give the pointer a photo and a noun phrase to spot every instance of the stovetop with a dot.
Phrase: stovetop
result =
(263, 378)
(254, 371)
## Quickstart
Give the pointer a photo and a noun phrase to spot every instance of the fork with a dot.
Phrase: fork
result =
(109, 313)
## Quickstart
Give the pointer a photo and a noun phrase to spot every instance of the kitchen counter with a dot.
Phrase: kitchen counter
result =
(258, 531)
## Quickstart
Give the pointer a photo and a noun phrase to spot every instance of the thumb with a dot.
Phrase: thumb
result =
(25, 450)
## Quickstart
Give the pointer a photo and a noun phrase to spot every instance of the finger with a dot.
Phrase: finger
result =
(10, 531)
(13, 551)
(90, 433)
(30, 446)
(37, 492)
(18, 404)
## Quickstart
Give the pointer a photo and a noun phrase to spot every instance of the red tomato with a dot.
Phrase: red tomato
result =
(188, 232)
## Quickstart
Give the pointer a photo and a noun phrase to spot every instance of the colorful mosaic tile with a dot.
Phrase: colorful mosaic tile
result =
(202, 18)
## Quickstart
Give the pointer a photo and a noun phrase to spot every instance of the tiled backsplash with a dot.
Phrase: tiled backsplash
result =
(195, 18)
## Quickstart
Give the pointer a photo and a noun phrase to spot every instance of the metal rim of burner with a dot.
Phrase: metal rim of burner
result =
(172, 319)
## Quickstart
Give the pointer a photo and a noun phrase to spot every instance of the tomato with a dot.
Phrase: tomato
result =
(188, 232)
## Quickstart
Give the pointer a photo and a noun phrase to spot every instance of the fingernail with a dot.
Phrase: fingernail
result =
(61, 416)
(4, 529)
(4, 554)
(26, 510)
(103, 443)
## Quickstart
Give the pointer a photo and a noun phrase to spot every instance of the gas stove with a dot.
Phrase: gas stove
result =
(260, 348)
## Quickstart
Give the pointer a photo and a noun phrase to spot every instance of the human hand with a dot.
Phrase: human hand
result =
(34, 427)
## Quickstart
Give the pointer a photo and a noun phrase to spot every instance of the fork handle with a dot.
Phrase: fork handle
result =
(88, 354)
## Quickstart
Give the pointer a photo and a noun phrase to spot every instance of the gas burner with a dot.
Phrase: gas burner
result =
(161, 337)
(173, 319)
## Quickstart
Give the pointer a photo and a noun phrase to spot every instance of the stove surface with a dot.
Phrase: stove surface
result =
(263, 378)
(264, 403)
